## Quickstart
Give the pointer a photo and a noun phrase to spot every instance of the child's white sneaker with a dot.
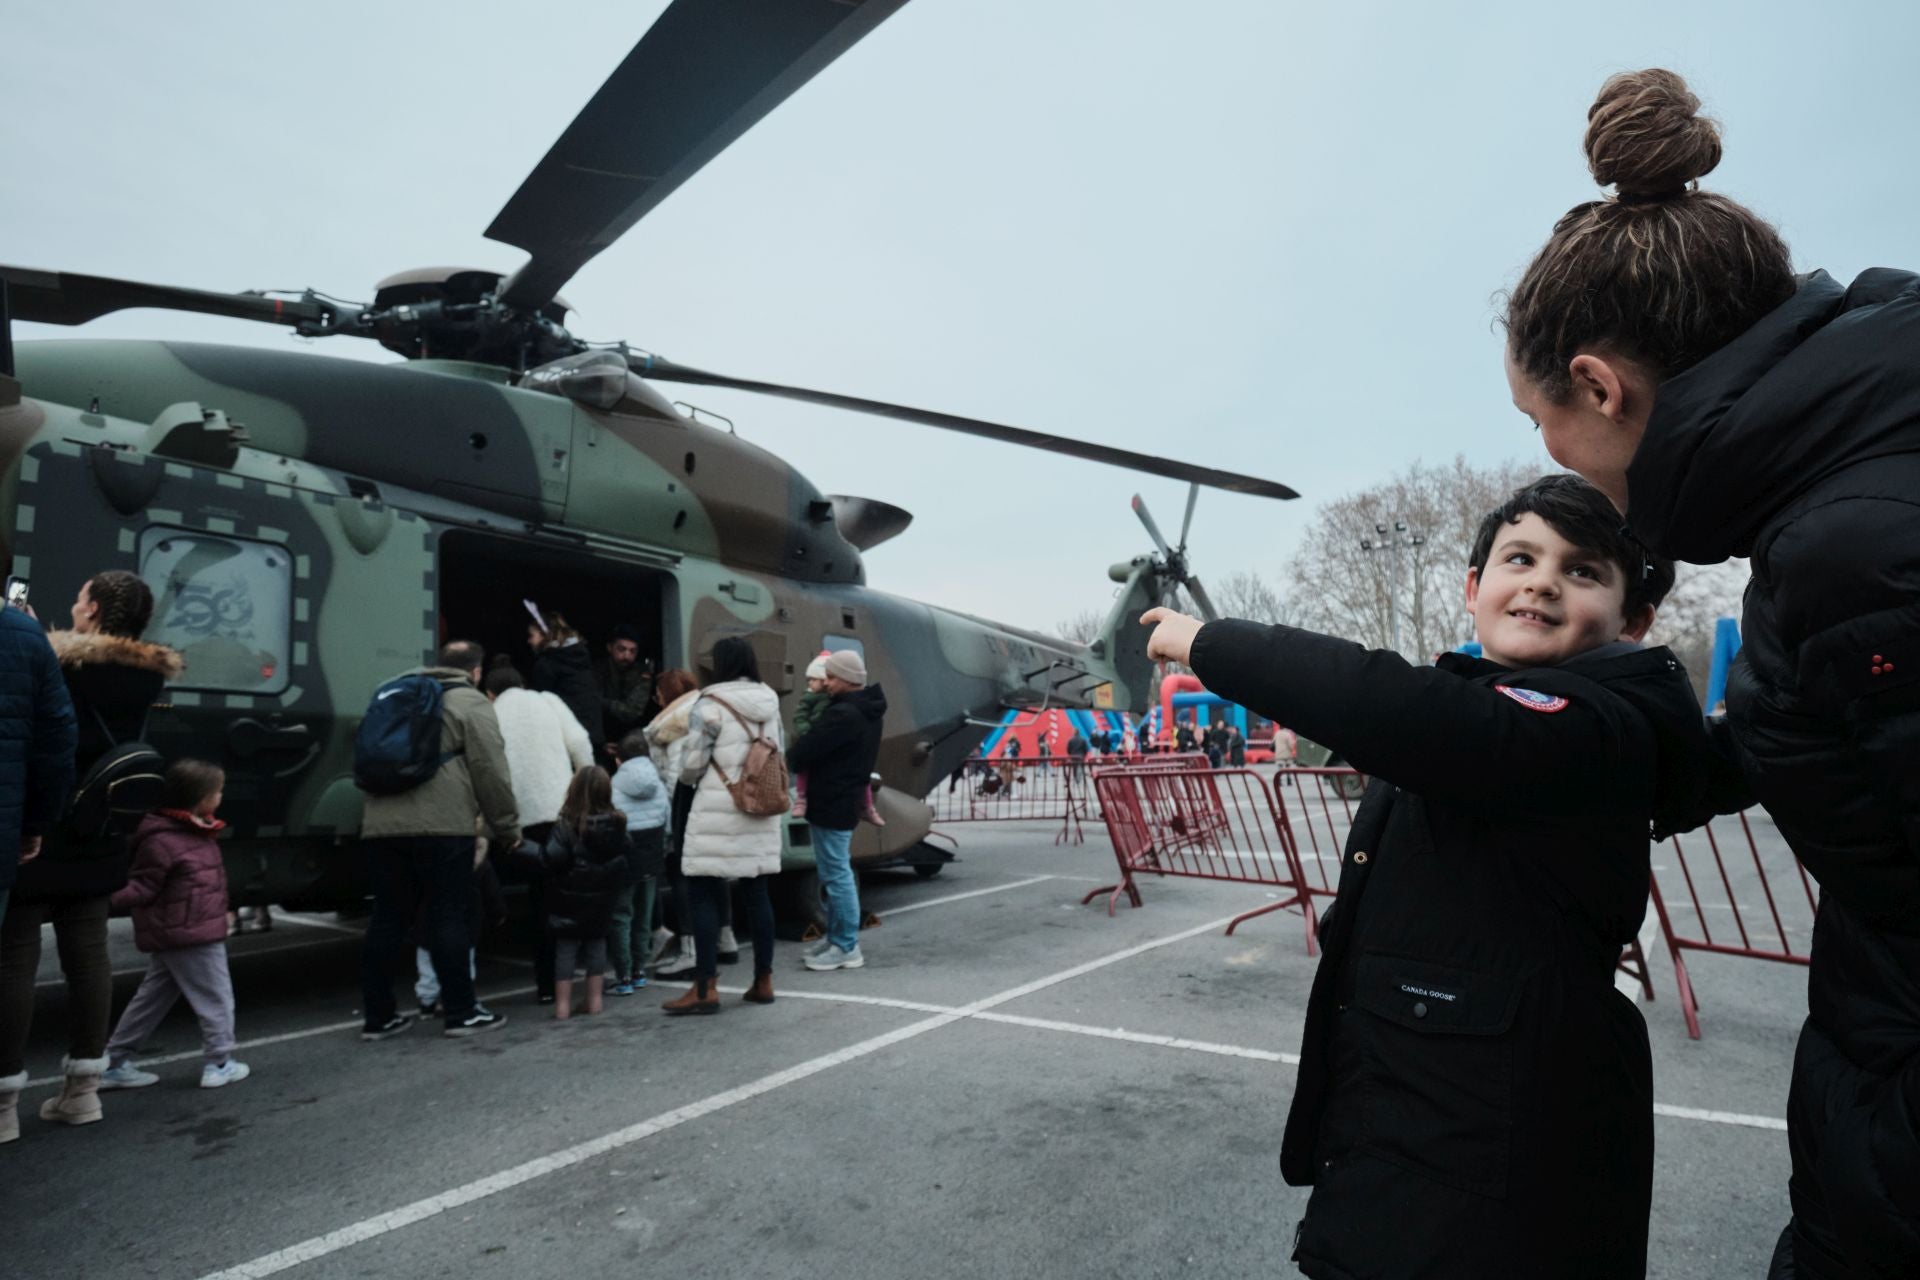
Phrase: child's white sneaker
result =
(127, 1076)
(216, 1074)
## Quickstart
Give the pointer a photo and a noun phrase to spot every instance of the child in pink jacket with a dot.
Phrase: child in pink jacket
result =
(177, 892)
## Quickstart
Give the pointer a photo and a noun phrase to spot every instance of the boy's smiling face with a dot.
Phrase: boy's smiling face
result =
(1541, 600)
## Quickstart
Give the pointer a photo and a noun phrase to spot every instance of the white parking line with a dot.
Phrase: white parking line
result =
(420, 1210)
(958, 897)
(231, 955)
(315, 922)
(1719, 1117)
(1041, 1024)
(283, 1038)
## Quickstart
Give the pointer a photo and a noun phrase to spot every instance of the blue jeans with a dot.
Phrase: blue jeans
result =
(833, 856)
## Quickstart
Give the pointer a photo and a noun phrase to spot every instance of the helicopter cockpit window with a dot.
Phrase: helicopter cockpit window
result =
(225, 603)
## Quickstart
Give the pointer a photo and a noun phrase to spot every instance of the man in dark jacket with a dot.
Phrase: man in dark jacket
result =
(1474, 1097)
(625, 683)
(1798, 444)
(837, 755)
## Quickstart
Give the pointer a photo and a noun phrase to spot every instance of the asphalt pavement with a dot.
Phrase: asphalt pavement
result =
(1015, 1085)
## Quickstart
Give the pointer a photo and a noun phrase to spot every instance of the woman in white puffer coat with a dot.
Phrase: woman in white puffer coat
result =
(723, 846)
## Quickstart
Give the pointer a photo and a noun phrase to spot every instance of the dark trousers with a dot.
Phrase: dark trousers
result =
(537, 906)
(429, 879)
(80, 932)
(707, 901)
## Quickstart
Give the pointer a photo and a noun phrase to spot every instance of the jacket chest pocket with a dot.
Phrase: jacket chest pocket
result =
(1437, 1097)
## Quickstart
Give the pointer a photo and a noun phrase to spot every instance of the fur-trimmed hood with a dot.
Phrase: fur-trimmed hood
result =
(100, 649)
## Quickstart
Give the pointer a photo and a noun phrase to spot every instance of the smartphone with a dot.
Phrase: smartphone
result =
(16, 591)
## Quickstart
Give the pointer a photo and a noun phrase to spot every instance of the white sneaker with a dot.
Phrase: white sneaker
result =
(214, 1075)
(727, 948)
(677, 964)
(127, 1076)
(661, 938)
(834, 958)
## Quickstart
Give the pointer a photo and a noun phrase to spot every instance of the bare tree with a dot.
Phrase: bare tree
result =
(1701, 596)
(1081, 627)
(1344, 590)
(1246, 594)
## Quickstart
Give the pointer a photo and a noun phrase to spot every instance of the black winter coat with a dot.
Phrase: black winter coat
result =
(583, 873)
(1475, 1099)
(36, 737)
(837, 755)
(114, 682)
(1798, 444)
(567, 672)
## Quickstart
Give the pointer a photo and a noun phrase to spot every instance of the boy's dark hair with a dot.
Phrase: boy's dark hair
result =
(1585, 517)
(633, 746)
(733, 659)
(501, 679)
(188, 782)
(462, 655)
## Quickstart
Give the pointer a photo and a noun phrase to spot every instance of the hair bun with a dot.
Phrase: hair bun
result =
(1646, 138)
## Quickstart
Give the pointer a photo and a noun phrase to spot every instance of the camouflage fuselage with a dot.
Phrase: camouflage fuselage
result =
(337, 515)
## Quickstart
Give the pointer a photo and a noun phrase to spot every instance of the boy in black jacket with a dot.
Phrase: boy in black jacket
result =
(1474, 1096)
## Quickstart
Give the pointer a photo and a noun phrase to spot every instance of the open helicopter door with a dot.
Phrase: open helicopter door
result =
(289, 600)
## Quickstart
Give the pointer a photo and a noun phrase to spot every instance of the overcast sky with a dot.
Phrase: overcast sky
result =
(1261, 235)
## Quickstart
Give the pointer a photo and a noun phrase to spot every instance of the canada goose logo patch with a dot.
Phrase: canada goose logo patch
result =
(1532, 699)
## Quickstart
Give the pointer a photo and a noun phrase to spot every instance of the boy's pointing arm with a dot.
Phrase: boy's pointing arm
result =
(1425, 729)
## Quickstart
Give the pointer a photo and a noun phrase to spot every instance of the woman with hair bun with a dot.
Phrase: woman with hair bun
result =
(1667, 351)
(114, 678)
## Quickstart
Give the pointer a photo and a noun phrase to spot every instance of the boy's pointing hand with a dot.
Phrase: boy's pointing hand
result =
(1173, 633)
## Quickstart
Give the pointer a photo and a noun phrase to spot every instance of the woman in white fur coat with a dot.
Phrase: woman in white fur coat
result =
(722, 845)
(545, 745)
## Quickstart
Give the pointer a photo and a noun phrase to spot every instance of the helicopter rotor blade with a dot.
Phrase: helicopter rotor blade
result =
(700, 77)
(1200, 599)
(64, 297)
(664, 370)
(1153, 528)
(1193, 497)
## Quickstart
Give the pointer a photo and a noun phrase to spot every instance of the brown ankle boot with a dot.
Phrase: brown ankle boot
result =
(702, 997)
(761, 992)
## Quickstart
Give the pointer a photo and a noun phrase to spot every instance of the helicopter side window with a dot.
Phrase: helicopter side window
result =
(225, 603)
(832, 644)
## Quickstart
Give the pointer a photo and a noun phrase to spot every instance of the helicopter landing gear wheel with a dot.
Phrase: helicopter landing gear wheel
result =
(928, 870)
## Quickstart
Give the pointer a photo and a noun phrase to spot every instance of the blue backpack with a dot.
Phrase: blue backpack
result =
(398, 746)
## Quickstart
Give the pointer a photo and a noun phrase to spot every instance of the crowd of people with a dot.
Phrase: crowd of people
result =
(639, 811)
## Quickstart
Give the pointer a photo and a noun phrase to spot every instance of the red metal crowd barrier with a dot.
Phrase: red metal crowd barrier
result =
(1319, 805)
(1015, 790)
(1756, 941)
(1039, 789)
(1203, 824)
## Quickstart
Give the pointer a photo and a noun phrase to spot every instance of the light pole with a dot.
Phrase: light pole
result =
(1390, 541)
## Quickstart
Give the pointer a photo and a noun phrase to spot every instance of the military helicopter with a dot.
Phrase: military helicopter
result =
(311, 525)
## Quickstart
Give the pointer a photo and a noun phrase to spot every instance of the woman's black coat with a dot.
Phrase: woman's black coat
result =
(583, 873)
(1798, 444)
(567, 672)
(1475, 1098)
(113, 681)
